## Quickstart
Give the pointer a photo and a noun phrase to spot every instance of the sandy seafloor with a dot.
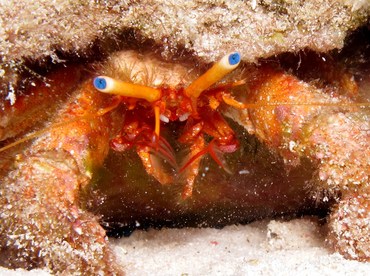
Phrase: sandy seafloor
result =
(268, 247)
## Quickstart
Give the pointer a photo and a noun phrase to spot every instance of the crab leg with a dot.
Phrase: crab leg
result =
(36, 104)
(335, 139)
(46, 226)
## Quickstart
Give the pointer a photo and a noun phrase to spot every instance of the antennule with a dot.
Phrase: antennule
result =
(112, 86)
(220, 69)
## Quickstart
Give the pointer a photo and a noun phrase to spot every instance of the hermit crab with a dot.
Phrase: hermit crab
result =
(139, 139)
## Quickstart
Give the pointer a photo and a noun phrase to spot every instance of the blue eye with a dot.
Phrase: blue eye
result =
(234, 58)
(100, 83)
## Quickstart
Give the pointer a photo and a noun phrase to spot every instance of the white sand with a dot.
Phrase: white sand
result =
(260, 248)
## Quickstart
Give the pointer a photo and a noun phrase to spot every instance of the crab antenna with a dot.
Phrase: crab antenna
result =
(111, 86)
(221, 68)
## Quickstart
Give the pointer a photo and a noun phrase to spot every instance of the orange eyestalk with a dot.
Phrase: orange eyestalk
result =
(111, 86)
(220, 69)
